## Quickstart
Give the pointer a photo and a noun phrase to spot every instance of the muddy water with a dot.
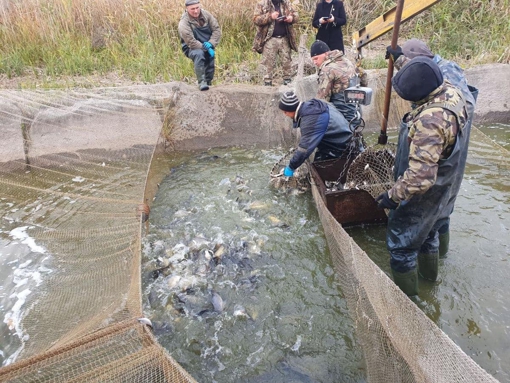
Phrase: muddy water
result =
(470, 301)
(250, 293)
(283, 318)
(239, 282)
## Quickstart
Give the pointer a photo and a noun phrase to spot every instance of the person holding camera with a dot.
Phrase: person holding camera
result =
(328, 19)
(275, 37)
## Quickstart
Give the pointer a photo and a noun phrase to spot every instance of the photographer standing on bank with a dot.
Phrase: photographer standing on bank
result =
(328, 19)
(275, 37)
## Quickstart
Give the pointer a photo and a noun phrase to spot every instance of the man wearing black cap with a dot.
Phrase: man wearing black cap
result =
(275, 37)
(335, 72)
(200, 35)
(455, 75)
(430, 152)
(322, 126)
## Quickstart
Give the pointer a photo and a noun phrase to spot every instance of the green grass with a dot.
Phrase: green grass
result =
(138, 39)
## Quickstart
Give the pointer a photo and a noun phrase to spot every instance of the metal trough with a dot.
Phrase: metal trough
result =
(350, 207)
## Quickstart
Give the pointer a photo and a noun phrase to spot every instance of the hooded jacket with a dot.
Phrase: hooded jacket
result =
(323, 128)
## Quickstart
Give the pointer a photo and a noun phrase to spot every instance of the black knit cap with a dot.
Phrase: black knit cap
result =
(417, 79)
(289, 101)
(318, 47)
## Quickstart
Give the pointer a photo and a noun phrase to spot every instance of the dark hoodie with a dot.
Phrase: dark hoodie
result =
(322, 127)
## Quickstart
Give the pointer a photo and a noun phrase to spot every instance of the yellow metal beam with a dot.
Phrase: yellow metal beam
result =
(384, 23)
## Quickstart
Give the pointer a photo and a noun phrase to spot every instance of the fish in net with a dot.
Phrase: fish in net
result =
(299, 182)
(372, 170)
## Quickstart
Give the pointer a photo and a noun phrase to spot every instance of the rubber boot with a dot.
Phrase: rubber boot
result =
(428, 264)
(407, 282)
(444, 243)
(203, 84)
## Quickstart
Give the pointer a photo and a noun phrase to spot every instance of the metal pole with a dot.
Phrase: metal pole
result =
(383, 138)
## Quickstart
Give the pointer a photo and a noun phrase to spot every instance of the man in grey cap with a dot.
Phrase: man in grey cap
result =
(453, 73)
(418, 48)
(322, 126)
(200, 34)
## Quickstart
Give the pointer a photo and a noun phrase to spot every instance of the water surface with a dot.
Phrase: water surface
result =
(284, 317)
(470, 300)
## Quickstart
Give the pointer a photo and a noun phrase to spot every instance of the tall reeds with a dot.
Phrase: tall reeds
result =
(138, 38)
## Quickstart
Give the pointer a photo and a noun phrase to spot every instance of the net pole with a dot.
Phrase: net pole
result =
(383, 137)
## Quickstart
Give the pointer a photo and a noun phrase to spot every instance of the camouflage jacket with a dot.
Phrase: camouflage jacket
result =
(265, 24)
(432, 134)
(187, 24)
(334, 74)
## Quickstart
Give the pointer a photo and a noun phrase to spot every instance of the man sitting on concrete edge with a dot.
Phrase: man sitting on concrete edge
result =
(200, 34)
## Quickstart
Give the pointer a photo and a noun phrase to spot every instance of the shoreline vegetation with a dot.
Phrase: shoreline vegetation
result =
(90, 43)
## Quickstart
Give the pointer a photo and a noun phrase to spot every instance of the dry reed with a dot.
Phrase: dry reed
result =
(138, 38)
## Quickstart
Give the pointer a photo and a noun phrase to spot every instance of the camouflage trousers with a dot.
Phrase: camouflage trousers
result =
(274, 47)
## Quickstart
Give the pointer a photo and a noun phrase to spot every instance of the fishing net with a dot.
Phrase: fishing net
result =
(72, 180)
(358, 168)
(76, 178)
(372, 170)
(400, 343)
(298, 182)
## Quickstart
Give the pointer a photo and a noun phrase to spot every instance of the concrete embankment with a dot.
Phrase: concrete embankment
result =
(38, 123)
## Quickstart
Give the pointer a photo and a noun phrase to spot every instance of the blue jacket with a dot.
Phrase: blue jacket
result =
(323, 128)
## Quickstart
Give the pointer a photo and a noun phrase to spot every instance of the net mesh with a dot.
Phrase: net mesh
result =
(400, 343)
(372, 170)
(298, 182)
(76, 175)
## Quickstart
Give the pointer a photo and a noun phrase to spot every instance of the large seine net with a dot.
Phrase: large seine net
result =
(76, 173)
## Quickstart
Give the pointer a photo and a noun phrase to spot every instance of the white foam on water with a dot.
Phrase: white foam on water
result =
(78, 179)
(296, 345)
(27, 274)
(20, 233)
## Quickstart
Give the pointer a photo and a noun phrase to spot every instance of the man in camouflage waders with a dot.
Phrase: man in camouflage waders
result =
(431, 151)
(455, 75)
(334, 75)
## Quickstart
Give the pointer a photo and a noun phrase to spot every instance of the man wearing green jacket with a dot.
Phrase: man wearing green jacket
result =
(200, 34)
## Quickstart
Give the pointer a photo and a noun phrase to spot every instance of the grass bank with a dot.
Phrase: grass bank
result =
(44, 40)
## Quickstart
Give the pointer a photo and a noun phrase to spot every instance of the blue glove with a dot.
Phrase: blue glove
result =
(385, 202)
(207, 45)
(211, 52)
(288, 172)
